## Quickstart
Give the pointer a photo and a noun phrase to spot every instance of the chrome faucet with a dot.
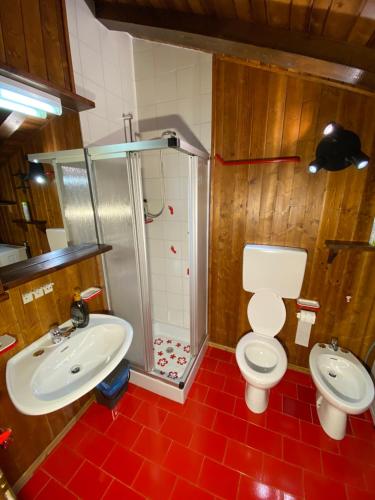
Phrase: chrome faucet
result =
(58, 334)
(335, 343)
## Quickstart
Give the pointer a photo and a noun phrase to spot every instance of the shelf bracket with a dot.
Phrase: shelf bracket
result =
(331, 255)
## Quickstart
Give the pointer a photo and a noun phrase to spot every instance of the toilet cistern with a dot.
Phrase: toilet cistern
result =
(270, 273)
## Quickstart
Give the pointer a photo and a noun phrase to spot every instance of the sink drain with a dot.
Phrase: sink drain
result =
(169, 350)
(39, 352)
(75, 369)
(332, 374)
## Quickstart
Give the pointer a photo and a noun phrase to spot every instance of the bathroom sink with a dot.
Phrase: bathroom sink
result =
(45, 377)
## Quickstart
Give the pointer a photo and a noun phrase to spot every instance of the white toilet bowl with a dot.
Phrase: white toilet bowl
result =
(343, 387)
(270, 273)
(262, 362)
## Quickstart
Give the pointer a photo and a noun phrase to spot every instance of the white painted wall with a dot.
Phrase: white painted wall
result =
(103, 72)
(173, 92)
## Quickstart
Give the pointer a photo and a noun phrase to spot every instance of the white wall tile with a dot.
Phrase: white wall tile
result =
(158, 282)
(75, 53)
(146, 91)
(172, 188)
(160, 314)
(165, 87)
(159, 298)
(144, 65)
(173, 86)
(103, 70)
(97, 94)
(98, 128)
(205, 78)
(174, 284)
(175, 301)
(71, 16)
(176, 317)
(91, 64)
(173, 267)
(165, 58)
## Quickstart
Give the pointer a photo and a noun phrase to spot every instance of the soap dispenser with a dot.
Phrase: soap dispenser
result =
(79, 310)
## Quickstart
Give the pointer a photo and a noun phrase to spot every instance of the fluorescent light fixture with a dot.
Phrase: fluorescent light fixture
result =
(26, 110)
(18, 93)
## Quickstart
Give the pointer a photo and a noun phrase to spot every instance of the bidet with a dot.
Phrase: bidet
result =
(343, 387)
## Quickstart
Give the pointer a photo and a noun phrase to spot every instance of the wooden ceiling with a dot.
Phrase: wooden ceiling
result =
(329, 39)
(345, 20)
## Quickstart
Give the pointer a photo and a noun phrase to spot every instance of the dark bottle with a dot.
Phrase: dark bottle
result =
(27, 249)
(79, 310)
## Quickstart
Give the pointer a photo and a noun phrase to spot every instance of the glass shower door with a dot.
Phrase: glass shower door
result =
(75, 201)
(115, 181)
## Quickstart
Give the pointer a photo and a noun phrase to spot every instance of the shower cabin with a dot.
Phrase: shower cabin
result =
(149, 200)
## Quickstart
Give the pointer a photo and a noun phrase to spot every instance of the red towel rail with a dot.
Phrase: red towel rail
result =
(255, 161)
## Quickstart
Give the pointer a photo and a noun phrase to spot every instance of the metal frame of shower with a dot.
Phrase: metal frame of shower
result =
(127, 150)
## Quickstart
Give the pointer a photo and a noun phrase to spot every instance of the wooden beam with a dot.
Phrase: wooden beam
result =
(11, 124)
(296, 51)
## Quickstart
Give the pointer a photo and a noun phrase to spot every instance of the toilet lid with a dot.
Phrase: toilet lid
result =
(266, 313)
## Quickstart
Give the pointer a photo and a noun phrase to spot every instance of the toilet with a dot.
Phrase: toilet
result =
(343, 387)
(271, 273)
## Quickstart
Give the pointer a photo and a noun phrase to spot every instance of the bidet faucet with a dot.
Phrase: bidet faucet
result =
(335, 343)
(58, 334)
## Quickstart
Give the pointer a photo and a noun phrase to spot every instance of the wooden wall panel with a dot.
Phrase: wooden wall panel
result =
(28, 322)
(33, 38)
(258, 113)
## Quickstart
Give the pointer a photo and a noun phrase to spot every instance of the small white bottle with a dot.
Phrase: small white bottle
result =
(372, 235)
(26, 211)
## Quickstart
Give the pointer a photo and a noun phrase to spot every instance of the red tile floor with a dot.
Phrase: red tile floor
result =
(209, 448)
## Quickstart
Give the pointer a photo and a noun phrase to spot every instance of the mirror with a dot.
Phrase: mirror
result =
(43, 207)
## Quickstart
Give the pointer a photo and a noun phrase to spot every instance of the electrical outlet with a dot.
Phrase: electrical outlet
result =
(48, 288)
(38, 292)
(27, 297)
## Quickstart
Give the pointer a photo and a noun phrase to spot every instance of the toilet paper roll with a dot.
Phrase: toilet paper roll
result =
(305, 320)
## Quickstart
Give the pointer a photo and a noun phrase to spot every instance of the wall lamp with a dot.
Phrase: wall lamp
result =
(15, 96)
(338, 149)
(36, 172)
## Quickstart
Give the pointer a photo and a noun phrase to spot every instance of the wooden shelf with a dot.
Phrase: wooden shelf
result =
(4, 203)
(36, 222)
(30, 269)
(336, 245)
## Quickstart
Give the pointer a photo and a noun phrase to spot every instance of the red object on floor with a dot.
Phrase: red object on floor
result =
(210, 448)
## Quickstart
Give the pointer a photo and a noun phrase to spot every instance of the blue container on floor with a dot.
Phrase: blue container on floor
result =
(110, 390)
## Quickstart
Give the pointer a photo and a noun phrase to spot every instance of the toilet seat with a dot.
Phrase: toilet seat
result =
(261, 359)
(266, 313)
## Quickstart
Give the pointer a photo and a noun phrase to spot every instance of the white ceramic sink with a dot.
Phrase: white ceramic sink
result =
(44, 376)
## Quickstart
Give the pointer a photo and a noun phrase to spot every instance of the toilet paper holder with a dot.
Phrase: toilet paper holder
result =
(306, 315)
(308, 305)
